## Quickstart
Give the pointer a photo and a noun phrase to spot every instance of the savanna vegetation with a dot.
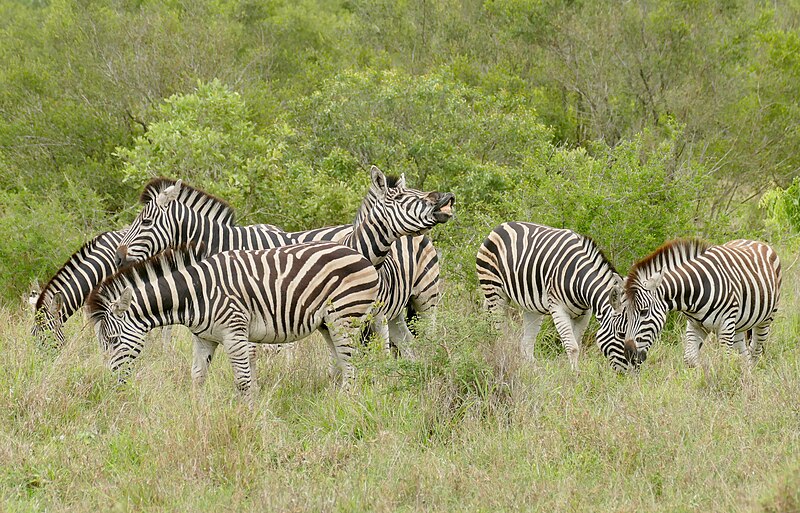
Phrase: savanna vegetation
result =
(631, 122)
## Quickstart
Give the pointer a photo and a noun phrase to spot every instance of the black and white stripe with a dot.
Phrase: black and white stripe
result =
(551, 271)
(70, 286)
(175, 214)
(237, 297)
(729, 290)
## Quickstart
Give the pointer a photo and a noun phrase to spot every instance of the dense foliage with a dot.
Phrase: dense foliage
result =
(630, 123)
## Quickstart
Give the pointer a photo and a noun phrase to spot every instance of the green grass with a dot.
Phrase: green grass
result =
(466, 427)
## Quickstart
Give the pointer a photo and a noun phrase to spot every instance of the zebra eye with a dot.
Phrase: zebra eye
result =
(147, 221)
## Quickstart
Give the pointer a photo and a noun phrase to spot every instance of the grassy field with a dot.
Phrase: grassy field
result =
(466, 427)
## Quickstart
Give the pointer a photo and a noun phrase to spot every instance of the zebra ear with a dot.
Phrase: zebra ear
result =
(615, 297)
(379, 184)
(121, 305)
(56, 303)
(169, 194)
(401, 182)
(654, 281)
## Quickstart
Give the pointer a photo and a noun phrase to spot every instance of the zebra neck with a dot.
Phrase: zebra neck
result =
(597, 291)
(679, 295)
(168, 301)
(370, 241)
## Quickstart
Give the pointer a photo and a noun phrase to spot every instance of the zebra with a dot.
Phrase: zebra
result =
(558, 272)
(730, 290)
(237, 297)
(396, 212)
(70, 286)
(175, 214)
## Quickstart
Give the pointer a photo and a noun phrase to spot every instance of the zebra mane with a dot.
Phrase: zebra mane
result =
(591, 246)
(670, 255)
(209, 205)
(82, 254)
(162, 264)
(369, 199)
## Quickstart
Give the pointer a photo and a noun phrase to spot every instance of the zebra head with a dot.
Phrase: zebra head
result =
(115, 332)
(49, 320)
(610, 336)
(402, 210)
(645, 315)
(154, 228)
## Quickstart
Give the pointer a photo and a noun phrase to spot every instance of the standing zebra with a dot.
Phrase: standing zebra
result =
(175, 214)
(728, 289)
(70, 286)
(395, 212)
(234, 298)
(557, 272)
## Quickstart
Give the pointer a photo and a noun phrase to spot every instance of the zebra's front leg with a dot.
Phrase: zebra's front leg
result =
(693, 341)
(401, 336)
(532, 323)
(203, 354)
(238, 348)
(564, 326)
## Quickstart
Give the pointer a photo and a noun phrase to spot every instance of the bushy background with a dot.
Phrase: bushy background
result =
(629, 122)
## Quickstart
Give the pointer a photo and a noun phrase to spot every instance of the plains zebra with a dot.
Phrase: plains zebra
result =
(237, 297)
(176, 214)
(397, 212)
(557, 272)
(728, 289)
(70, 286)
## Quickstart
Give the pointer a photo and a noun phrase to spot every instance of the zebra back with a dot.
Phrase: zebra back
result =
(72, 283)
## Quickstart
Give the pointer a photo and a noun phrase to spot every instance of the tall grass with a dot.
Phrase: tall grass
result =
(468, 426)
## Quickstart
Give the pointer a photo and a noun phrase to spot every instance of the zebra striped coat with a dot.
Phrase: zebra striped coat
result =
(728, 289)
(70, 286)
(557, 272)
(237, 297)
(175, 214)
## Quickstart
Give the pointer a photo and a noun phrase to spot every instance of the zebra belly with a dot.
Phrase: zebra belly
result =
(263, 330)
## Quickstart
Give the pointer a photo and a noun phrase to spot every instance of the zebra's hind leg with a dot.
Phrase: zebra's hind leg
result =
(203, 354)
(340, 342)
(532, 322)
(564, 326)
(758, 336)
(494, 304)
(401, 336)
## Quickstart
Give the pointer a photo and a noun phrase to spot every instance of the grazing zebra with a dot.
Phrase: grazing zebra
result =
(392, 213)
(728, 289)
(237, 297)
(175, 214)
(557, 272)
(69, 287)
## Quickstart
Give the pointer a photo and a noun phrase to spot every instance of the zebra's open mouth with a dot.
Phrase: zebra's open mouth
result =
(443, 211)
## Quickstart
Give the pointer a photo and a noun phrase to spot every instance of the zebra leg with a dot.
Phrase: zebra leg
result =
(494, 304)
(695, 334)
(381, 327)
(239, 353)
(203, 354)
(532, 322)
(564, 326)
(757, 338)
(401, 336)
(579, 325)
(340, 343)
(166, 335)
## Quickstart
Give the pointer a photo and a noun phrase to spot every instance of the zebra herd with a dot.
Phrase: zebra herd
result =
(184, 260)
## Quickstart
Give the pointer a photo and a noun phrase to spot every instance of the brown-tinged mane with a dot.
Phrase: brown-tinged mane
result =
(210, 206)
(668, 256)
(592, 246)
(81, 254)
(158, 266)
